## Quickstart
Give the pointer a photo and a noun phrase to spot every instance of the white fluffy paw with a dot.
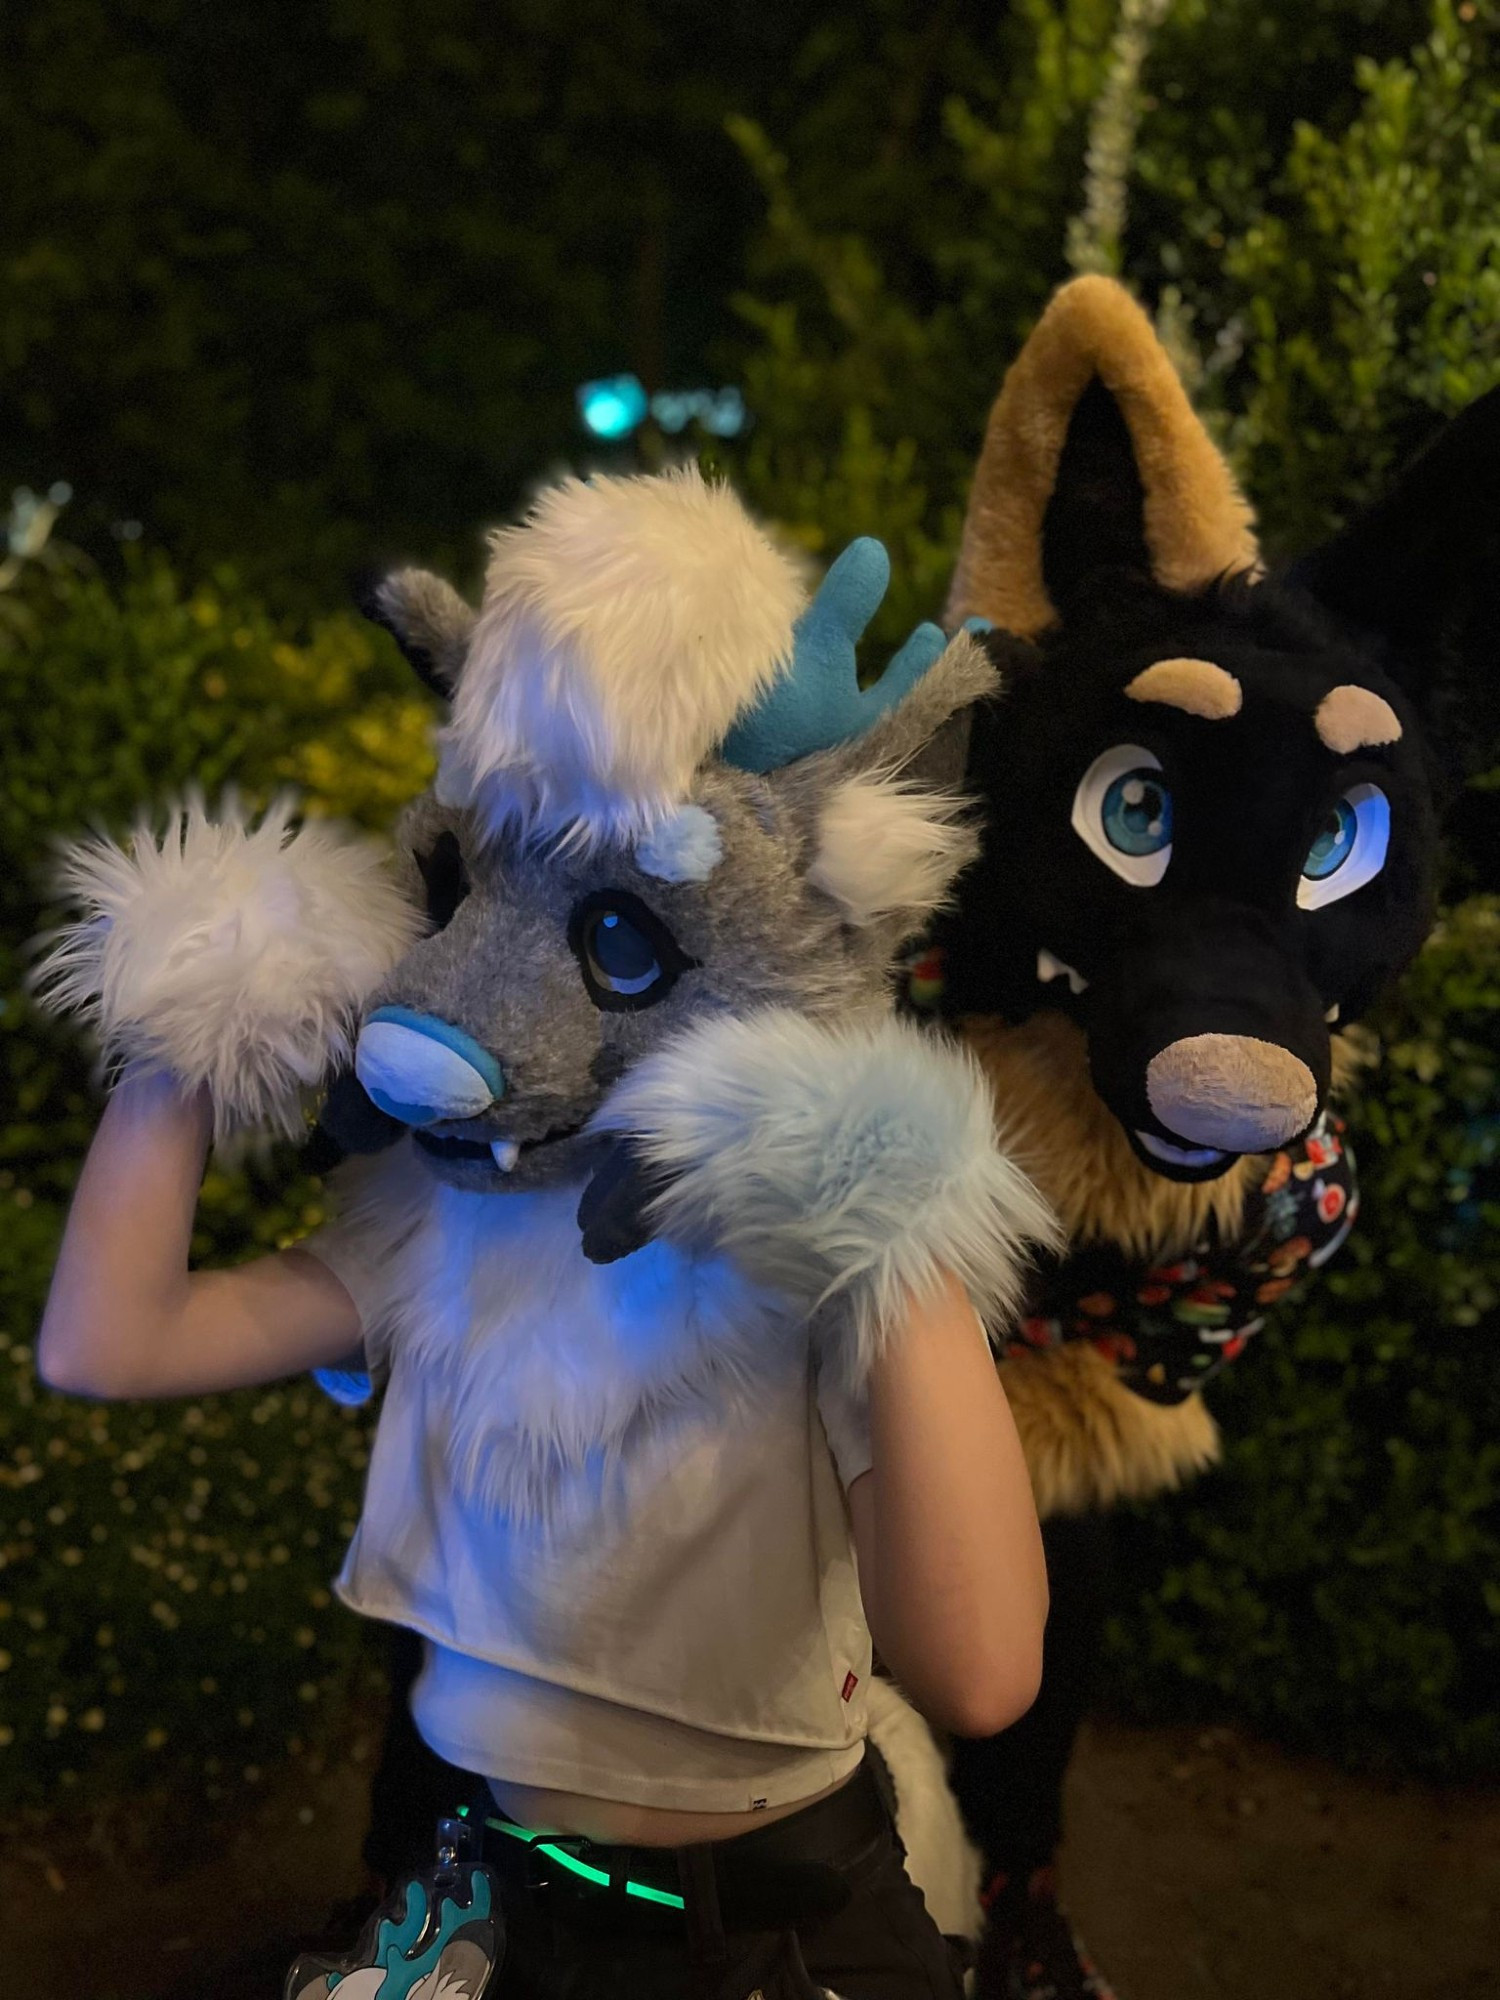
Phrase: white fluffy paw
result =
(232, 953)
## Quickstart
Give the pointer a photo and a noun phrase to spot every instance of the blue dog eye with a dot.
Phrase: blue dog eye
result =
(1137, 813)
(622, 959)
(1348, 849)
(1122, 812)
(1334, 843)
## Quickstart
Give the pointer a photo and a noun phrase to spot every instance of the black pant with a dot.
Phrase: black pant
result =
(1010, 1785)
(564, 1942)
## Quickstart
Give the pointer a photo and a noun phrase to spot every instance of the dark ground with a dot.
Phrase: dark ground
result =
(1201, 1866)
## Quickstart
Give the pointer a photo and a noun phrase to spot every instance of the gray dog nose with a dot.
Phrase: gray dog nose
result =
(1231, 1092)
(420, 1069)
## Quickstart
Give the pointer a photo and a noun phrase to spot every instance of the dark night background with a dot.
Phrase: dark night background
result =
(290, 289)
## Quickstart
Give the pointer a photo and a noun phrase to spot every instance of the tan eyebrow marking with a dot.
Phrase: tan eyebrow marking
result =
(1351, 718)
(1197, 687)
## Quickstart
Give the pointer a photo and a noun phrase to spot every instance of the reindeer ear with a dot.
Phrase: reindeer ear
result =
(1093, 458)
(426, 617)
(1420, 571)
(886, 840)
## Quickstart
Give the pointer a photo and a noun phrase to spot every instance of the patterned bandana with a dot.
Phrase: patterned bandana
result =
(1169, 1328)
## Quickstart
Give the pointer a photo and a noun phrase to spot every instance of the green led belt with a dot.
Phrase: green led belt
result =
(642, 1890)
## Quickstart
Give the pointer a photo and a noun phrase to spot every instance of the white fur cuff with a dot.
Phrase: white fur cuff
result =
(844, 1167)
(233, 955)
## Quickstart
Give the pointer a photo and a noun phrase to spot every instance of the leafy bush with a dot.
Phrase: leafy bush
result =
(1317, 227)
(164, 1604)
(1361, 293)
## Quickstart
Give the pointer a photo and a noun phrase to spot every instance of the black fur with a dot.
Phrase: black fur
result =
(1095, 518)
(1417, 577)
(1401, 604)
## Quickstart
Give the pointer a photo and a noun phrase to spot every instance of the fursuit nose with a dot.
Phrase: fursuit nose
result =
(1232, 1092)
(420, 1069)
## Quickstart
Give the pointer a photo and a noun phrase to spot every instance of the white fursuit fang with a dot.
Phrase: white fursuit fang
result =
(625, 623)
(233, 954)
(844, 1167)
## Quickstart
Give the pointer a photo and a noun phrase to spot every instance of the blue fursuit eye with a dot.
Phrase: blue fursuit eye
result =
(1122, 812)
(1333, 843)
(1137, 813)
(1348, 848)
(625, 952)
(623, 960)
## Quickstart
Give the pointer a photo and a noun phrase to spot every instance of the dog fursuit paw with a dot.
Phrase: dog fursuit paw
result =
(233, 954)
(842, 1166)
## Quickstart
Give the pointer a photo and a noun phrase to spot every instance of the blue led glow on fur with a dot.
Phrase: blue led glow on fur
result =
(348, 1386)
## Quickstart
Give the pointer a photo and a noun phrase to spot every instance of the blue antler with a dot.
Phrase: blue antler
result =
(818, 701)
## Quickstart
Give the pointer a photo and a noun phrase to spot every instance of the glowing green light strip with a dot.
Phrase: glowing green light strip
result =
(641, 1890)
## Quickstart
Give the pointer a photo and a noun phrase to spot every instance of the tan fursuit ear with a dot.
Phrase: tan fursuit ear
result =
(1196, 523)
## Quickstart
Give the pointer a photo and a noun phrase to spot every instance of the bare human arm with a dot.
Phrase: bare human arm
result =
(126, 1318)
(945, 1527)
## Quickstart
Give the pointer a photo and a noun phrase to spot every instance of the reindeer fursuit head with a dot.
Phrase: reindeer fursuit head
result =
(653, 903)
(654, 948)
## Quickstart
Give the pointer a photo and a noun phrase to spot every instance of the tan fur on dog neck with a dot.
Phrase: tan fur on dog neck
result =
(1090, 1441)
(1060, 1132)
(1198, 524)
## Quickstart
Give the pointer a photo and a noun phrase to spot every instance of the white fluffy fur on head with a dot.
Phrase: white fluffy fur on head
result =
(625, 623)
(232, 954)
(845, 1168)
(886, 846)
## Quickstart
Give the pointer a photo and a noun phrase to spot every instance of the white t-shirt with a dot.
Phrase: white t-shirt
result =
(693, 1637)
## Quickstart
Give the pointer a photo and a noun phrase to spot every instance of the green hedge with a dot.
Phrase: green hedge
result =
(313, 284)
(164, 1569)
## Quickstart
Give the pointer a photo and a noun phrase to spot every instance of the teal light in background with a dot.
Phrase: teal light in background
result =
(720, 411)
(616, 405)
(613, 406)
